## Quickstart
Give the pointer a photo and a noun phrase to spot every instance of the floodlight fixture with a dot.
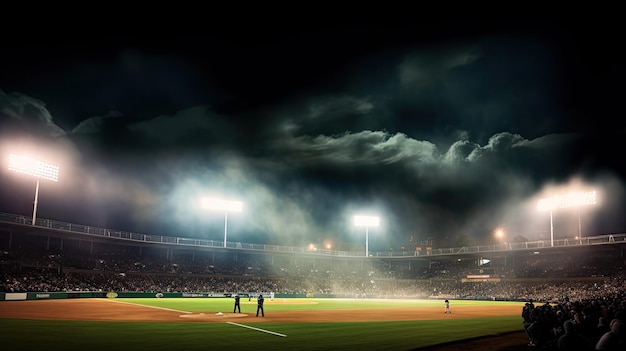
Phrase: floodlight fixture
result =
(573, 199)
(366, 221)
(217, 204)
(567, 200)
(34, 168)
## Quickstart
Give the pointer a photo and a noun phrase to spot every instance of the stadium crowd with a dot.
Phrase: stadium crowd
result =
(119, 268)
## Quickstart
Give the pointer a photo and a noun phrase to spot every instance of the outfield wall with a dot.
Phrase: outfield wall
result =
(100, 294)
(49, 296)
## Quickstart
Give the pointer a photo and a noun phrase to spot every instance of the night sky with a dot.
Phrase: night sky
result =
(446, 130)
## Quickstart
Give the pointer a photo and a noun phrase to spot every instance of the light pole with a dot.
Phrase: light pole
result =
(216, 204)
(574, 199)
(366, 221)
(35, 168)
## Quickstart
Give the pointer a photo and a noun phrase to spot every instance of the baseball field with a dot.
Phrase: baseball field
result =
(210, 324)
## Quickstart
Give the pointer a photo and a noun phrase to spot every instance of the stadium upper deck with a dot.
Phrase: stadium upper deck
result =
(13, 223)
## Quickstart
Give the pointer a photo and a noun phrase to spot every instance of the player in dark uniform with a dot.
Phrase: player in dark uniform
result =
(237, 305)
(259, 304)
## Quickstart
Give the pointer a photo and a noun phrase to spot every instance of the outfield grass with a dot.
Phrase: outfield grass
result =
(120, 336)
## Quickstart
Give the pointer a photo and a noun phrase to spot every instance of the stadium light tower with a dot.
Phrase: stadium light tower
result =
(574, 199)
(225, 206)
(366, 221)
(35, 168)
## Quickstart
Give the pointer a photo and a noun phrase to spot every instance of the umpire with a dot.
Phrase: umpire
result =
(259, 304)
(237, 305)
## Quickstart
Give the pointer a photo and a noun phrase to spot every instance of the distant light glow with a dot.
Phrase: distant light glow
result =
(499, 232)
(366, 221)
(567, 200)
(217, 204)
(27, 165)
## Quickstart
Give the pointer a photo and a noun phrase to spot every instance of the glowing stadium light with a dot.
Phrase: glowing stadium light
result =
(32, 167)
(574, 199)
(366, 221)
(216, 204)
(35, 168)
(567, 200)
(499, 233)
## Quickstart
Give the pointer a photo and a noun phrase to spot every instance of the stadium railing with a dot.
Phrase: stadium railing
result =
(87, 230)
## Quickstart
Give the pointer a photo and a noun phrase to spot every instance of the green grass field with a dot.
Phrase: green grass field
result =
(17, 334)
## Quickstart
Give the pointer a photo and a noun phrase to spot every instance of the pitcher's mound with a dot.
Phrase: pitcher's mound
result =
(213, 315)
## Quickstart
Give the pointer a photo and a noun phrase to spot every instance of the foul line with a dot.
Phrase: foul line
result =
(258, 329)
(155, 307)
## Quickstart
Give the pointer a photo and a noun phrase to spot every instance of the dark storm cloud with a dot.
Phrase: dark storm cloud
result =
(96, 124)
(22, 111)
(485, 86)
(362, 148)
(425, 68)
(172, 129)
(141, 84)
